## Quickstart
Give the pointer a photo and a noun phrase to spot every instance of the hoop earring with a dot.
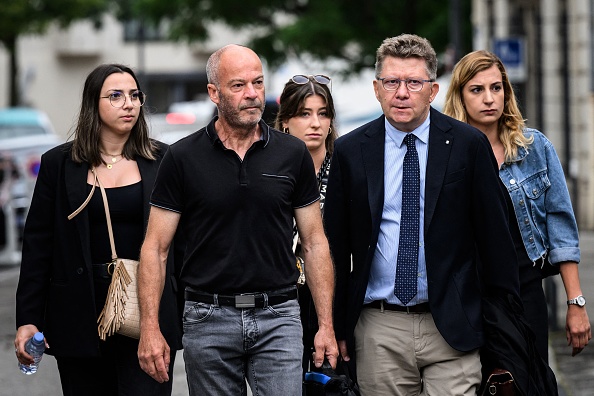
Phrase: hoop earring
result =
(329, 131)
(286, 130)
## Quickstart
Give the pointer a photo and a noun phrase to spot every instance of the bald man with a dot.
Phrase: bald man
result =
(234, 187)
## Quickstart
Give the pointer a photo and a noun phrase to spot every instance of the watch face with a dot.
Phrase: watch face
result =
(581, 301)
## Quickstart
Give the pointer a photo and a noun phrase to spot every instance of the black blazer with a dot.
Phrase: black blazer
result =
(465, 220)
(55, 290)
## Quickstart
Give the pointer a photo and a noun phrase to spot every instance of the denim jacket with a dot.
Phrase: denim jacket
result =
(538, 190)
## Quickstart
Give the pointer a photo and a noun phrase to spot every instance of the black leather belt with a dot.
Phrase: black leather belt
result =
(103, 271)
(419, 308)
(247, 300)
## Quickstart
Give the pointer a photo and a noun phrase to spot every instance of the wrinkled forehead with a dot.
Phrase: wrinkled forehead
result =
(411, 66)
(239, 63)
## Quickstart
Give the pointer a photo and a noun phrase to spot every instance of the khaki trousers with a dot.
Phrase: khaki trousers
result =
(404, 354)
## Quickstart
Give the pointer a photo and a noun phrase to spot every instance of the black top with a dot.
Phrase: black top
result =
(56, 291)
(125, 209)
(528, 271)
(237, 216)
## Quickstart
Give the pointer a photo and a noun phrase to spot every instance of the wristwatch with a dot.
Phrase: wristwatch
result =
(579, 300)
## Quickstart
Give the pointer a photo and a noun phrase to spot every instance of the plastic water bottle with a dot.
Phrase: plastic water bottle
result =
(35, 347)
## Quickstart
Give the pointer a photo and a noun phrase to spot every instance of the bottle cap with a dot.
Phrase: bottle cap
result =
(38, 337)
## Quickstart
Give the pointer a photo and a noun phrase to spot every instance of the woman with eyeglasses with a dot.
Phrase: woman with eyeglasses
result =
(307, 112)
(65, 270)
(542, 221)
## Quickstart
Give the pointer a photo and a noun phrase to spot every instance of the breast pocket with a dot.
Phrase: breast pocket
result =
(536, 185)
(454, 176)
(274, 187)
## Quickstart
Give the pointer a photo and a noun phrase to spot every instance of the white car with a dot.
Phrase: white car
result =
(25, 134)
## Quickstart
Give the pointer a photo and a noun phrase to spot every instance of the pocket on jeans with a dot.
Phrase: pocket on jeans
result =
(288, 309)
(196, 312)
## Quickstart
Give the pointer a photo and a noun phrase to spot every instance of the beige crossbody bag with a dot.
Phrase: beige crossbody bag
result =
(121, 312)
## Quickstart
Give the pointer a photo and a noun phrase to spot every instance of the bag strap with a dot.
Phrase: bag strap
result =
(87, 200)
(114, 255)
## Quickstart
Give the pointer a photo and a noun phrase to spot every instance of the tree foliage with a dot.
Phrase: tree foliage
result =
(18, 17)
(350, 30)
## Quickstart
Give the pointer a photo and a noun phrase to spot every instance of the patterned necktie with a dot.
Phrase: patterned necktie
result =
(405, 287)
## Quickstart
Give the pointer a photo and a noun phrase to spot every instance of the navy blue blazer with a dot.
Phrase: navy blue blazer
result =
(468, 247)
(55, 290)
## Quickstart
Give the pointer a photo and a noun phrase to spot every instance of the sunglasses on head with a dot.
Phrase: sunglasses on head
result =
(319, 78)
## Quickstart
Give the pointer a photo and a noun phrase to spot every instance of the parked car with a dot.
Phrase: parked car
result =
(25, 134)
(182, 119)
(185, 118)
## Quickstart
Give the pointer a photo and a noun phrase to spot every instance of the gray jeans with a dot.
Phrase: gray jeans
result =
(224, 346)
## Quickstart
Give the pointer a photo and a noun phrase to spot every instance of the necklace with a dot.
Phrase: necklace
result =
(114, 159)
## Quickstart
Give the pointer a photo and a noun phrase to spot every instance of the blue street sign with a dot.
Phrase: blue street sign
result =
(511, 53)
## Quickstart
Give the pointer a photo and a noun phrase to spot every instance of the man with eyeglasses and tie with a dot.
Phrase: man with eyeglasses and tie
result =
(418, 232)
(234, 187)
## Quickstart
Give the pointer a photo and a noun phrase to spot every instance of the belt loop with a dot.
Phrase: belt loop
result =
(382, 306)
(265, 297)
(215, 300)
(407, 310)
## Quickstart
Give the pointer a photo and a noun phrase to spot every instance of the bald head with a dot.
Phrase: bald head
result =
(226, 54)
(236, 86)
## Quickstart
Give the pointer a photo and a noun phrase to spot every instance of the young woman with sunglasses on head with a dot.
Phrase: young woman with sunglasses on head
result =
(542, 221)
(65, 271)
(307, 112)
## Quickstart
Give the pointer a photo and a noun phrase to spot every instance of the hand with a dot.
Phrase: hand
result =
(342, 348)
(577, 328)
(325, 345)
(22, 336)
(154, 355)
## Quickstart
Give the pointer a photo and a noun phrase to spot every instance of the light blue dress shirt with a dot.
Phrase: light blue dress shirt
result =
(383, 265)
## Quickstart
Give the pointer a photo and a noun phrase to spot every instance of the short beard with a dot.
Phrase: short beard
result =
(232, 115)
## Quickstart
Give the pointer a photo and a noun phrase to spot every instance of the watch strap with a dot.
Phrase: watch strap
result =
(576, 301)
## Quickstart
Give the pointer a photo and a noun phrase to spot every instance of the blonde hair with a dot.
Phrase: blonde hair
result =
(510, 128)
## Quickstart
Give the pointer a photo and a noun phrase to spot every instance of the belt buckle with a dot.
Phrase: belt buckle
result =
(245, 301)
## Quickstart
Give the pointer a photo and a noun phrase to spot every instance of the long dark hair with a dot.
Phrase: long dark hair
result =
(85, 146)
(292, 102)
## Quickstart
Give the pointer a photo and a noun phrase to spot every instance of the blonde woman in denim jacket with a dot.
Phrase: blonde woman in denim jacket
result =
(542, 221)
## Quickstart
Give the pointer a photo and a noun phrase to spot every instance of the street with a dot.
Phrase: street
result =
(575, 375)
(46, 382)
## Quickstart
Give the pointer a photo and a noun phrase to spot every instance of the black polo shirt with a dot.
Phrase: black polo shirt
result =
(237, 216)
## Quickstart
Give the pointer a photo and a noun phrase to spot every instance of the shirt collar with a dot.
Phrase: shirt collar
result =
(397, 136)
(214, 136)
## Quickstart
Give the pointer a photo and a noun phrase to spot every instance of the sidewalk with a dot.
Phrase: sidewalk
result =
(575, 375)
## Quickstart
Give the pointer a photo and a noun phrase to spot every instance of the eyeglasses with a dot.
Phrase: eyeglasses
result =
(319, 78)
(412, 84)
(118, 99)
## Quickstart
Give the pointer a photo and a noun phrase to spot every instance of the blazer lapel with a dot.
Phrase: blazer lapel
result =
(77, 192)
(372, 152)
(440, 144)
